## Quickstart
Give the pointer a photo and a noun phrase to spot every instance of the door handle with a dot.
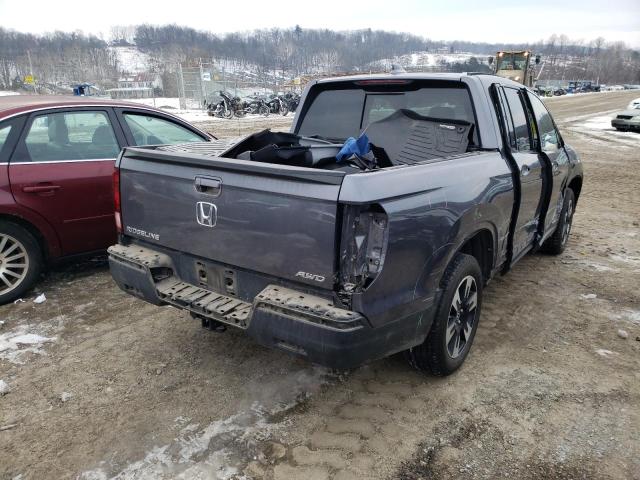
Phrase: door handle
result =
(524, 170)
(40, 188)
(209, 185)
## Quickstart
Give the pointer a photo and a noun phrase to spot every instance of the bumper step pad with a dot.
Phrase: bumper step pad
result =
(204, 302)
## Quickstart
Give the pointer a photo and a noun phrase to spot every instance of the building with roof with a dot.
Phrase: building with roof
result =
(140, 85)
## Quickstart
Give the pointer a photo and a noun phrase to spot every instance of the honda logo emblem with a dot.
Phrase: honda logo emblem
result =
(206, 214)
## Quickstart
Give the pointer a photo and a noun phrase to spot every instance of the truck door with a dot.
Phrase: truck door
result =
(547, 140)
(519, 129)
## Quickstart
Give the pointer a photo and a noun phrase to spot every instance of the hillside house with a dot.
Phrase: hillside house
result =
(140, 85)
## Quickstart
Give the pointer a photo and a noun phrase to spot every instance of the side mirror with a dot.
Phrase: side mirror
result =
(490, 60)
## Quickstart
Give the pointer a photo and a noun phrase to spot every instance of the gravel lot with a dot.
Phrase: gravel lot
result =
(101, 385)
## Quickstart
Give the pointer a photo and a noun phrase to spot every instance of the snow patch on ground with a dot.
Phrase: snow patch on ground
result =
(630, 259)
(204, 453)
(599, 267)
(602, 124)
(599, 123)
(172, 105)
(631, 316)
(6, 93)
(19, 342)
(605, 353)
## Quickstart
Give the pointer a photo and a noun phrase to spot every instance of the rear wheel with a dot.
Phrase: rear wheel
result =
(455, 322)
(264, 110)
(557, 242)
(20, 261)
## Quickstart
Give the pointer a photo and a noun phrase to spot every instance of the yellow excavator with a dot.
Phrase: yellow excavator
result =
(515, 65)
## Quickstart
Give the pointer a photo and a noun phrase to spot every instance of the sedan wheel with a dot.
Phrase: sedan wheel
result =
(14, 263)
(20, 261)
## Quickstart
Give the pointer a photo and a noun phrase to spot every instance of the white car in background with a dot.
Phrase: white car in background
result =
(634, 104)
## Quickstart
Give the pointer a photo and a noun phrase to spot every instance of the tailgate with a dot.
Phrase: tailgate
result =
(273, 219)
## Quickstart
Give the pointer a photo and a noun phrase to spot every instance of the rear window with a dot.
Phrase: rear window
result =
(150, 130)
(337, 114)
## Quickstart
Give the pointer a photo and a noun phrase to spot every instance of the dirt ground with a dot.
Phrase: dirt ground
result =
(102, 385)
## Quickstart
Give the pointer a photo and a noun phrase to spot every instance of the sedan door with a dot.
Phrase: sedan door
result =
(62, 168)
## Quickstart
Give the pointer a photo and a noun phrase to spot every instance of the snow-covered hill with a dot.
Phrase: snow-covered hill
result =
(130, 59)
(427, 60)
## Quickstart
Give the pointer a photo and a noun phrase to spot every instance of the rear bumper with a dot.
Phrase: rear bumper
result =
(304, 325)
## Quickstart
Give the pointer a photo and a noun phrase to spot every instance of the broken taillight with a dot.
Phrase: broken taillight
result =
(116, 199)
(363, 245)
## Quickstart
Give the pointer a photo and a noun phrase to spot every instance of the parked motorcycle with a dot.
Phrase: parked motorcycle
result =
(258, 106)
(228, 107)
(278, 104)
(292, 100)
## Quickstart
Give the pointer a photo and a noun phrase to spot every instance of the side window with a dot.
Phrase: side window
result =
(519, 117)
(5, 129)
(4, 134)
(507, 119)
(549, 138)
(70, 136)
(150, 130)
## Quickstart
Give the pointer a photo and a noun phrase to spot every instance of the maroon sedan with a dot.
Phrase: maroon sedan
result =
(56, 162)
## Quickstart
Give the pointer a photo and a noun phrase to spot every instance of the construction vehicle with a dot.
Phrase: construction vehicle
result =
(515, 65)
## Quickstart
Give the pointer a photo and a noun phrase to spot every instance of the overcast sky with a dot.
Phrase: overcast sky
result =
(482, 21)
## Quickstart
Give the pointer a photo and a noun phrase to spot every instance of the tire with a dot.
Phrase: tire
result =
(455, 322)
(228, 114)
(284, 110)
(264, 110)
(557, 242)
(20, 261)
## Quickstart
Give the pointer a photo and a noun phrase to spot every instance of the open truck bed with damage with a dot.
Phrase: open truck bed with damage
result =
(346, 255)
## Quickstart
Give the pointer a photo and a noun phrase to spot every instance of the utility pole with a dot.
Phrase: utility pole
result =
(202, 86)
(181, 92)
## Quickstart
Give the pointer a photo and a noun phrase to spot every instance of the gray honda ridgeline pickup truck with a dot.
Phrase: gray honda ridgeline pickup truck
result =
(344, 262)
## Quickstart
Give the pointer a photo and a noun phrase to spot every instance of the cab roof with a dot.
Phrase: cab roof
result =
(485, 78)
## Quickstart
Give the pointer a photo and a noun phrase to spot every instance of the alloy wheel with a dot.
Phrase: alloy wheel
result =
(462, 316)
(14, 263)
(566, 224)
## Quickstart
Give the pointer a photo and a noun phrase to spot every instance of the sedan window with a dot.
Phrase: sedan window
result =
(71, 136)
(4, 134)
(150, 130)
